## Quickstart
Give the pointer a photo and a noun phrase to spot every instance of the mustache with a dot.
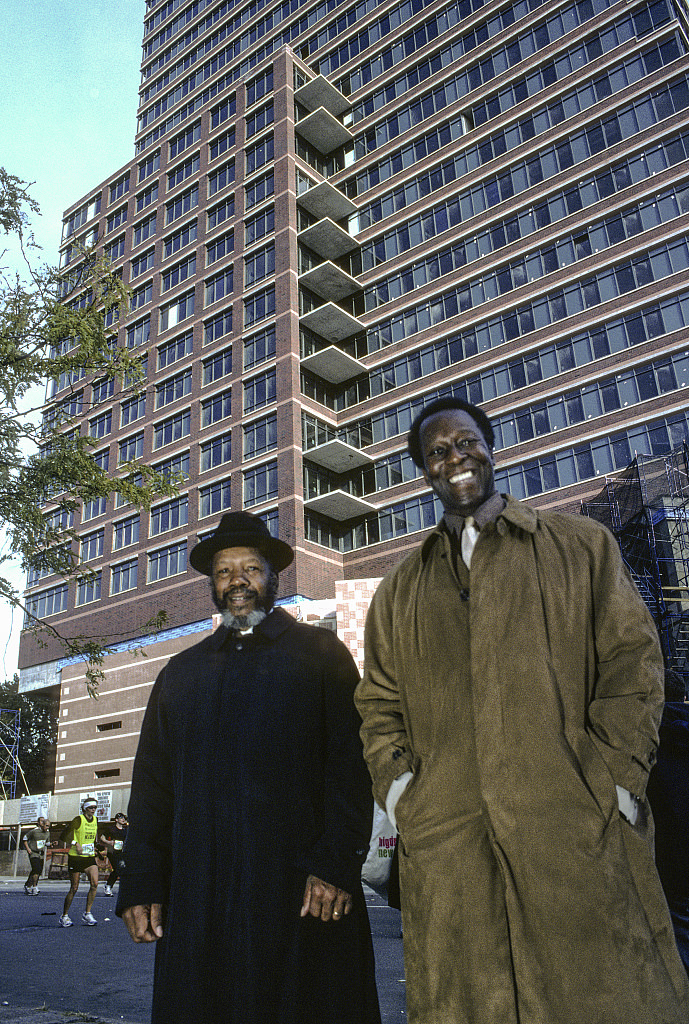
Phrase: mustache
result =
(224, 603)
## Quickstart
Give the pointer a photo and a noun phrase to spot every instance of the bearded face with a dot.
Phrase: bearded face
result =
(243, 586)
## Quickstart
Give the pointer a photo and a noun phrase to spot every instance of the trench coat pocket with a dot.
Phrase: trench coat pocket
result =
(424, 817)
(596, 777)
(402, 807)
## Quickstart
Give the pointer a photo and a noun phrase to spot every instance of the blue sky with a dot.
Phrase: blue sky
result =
(69, 77)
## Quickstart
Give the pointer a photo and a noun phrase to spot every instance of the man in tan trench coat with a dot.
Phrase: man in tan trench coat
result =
(512, 690)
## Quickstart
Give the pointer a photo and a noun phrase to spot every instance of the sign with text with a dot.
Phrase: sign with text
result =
(104, 798)
(31, 808)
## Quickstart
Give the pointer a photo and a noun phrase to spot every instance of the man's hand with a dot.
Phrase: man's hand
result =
(144, 923)
(324, 900)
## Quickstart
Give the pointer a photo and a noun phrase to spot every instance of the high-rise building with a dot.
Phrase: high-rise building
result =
(337, 211)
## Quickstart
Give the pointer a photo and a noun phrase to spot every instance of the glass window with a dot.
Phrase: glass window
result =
(170, 515)
(168, 561)
(123, 577)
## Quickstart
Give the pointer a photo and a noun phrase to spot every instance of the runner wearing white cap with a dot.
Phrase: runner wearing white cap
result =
(80, 836)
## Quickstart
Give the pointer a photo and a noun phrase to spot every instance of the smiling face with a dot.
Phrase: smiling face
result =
(244, 586)
(458, 464)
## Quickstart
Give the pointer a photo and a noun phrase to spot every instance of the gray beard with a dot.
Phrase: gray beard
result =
(243, 621)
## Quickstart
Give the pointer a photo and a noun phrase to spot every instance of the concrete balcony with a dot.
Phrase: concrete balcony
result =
(339, 505)
(330, 282)
(319, 92)
(328, 239)
(337, 456)
(331, 322)
(323, 131)
(324, 200)
(333, 365)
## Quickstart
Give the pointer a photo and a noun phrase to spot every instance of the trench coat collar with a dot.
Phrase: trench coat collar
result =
(515, 513)
(273, 626)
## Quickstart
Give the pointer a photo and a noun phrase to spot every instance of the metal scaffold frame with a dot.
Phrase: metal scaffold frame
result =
(647, 508)
(9, 752)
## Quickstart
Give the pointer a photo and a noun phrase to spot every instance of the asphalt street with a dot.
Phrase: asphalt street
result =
(101, 974)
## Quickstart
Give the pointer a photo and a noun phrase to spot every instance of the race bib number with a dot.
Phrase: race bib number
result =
(88, 849)
(40, 844)
(118, 844)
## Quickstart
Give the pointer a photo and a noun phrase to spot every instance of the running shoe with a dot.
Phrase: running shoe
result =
(107, 891)
(66, 921)
(28, 890)
(35, 891)
(88, 919)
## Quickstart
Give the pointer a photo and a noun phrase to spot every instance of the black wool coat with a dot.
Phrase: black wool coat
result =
(249, 776)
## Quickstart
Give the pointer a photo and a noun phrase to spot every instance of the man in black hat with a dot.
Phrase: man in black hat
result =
(250, 812)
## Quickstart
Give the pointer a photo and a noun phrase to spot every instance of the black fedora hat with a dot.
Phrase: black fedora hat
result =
(241, 530)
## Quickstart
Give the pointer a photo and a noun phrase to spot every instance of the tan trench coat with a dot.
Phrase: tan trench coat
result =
(518, 705)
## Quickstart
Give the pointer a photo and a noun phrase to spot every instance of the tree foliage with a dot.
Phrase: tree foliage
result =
(37, 735)
(58, 332)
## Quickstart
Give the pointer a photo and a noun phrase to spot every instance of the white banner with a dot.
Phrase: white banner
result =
(31, 808)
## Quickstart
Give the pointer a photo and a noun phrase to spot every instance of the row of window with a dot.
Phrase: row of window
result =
(624, 390)
(560, 204)
(79, 217)
(257, 307)
(646, 18)
(257, 392)
(172, 98)
(256, 227)
(152, 23)
(197, 77)
(573, 246)
(388, 472)
(566, 19)
(179, 207)
(552, 307)
(240, 41)
(579, 146)
(191, 133)
(626, 123)
(463, 83)
(594, 458)
(257, 347)
(391, 22)
(259, 437)
(421, 513)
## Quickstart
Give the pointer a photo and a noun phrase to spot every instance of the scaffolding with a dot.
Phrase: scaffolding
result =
(9, 752)
(647, 508)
